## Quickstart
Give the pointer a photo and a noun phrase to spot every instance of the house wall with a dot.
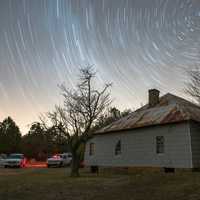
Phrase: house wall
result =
(139, 147)
(195, 143)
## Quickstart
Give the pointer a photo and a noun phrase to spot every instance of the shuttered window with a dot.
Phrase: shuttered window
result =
(118, 148)
(92, 149)
(160, 144)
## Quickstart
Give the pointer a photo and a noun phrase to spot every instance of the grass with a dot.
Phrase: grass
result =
(55, 184)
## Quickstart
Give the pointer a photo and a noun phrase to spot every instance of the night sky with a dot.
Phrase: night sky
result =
(135, 44)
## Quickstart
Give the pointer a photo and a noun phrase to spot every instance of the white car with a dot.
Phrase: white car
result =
(59, 160)
(15, 160)
(2, 159)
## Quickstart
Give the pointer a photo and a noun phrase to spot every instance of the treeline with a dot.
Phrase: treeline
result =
(40, 142)
(10, 136)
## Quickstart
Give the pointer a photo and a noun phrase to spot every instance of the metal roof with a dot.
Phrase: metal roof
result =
(170, 109)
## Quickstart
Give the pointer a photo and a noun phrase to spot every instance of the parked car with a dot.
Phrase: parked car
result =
(2, 159)
(59, 160)
(15, 160)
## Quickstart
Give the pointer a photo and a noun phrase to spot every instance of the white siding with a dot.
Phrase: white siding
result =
(195, 141)
(139, 147)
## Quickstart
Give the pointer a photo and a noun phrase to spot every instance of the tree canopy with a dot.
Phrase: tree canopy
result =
(10, 136)
(39, 143)
(193, 85)
(81, 109)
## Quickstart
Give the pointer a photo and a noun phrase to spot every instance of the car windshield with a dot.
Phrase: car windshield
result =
(56, 156)
(15, 156)
(63, 156)
(2, 156)
(66, 156)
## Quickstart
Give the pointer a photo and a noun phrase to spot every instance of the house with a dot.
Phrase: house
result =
(163, 133)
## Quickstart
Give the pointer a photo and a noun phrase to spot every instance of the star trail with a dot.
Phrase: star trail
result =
(135, 44)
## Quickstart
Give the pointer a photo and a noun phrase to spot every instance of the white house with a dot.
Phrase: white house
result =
(163, 133)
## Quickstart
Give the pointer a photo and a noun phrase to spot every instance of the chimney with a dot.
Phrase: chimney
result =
(153, 97)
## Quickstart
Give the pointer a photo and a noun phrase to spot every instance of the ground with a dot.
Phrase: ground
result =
(55, 184)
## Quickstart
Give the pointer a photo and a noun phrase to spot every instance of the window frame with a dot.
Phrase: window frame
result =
(91, 148)
(160, 144)
(118, 148)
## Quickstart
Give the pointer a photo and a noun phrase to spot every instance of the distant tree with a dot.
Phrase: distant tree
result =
(56, 140)
(115, 113)
(81, 110)
(10, 136)
(126, 112)
(112, 115)
(41, 142)
(33, 143)
(193, 85)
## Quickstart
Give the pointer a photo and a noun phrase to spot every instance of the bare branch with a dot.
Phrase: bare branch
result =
(82, 107)
(193, 86)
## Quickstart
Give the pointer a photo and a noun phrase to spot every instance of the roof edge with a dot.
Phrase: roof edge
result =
(140, 127)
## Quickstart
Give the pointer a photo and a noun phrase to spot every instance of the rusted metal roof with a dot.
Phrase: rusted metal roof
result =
(170, 109)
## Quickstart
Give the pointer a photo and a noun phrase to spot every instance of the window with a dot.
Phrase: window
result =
(159, 144)
(64, 157)
(91, 150)
(118, 148)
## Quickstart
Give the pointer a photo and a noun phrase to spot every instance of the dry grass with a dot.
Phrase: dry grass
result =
(55, 184)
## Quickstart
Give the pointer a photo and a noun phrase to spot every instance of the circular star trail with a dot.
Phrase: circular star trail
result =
(135, 44)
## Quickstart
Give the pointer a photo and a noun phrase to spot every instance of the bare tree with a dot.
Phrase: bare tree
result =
(81, 109)
(193, 86)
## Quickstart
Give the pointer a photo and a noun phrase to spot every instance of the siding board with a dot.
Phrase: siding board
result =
(139, 147)
(195, 143)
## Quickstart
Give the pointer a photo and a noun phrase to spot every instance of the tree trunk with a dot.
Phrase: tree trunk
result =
(75, 166)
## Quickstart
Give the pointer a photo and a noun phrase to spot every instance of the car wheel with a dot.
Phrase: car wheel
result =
(48, 166)
(5, 166)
